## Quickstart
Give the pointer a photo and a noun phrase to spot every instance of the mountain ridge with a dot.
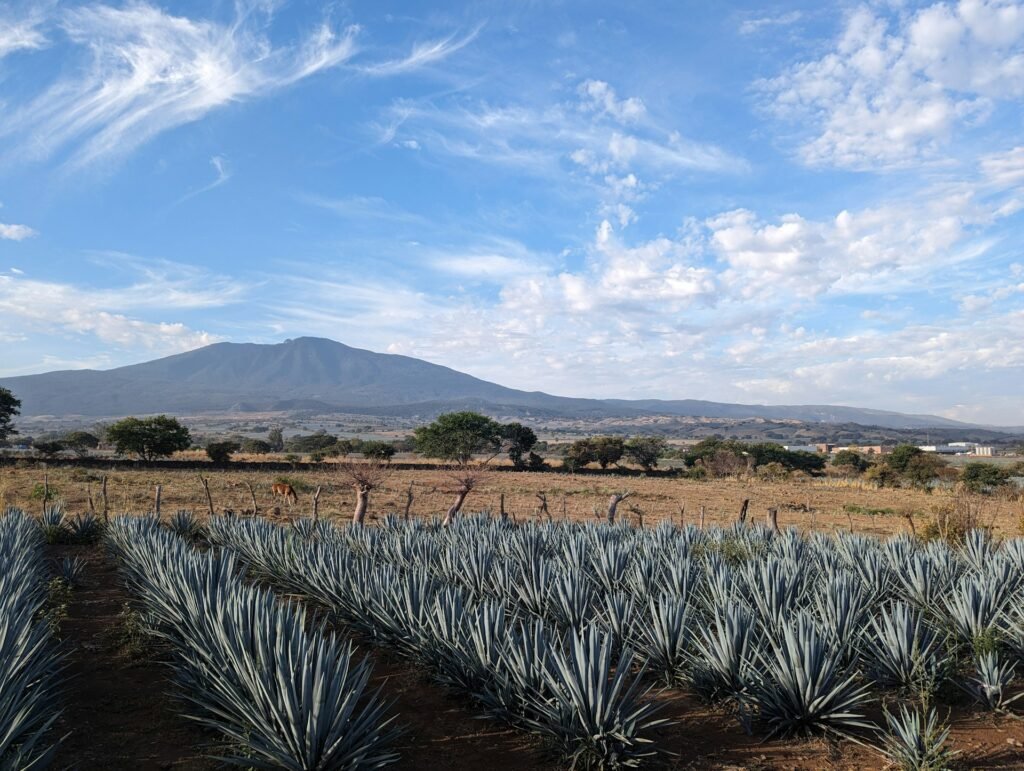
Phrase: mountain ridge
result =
(324, 373)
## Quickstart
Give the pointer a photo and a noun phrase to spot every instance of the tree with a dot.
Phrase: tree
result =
(519, 440)
(254, 447)
(457, 436)
(321, 440)
(850, 461)
(645, 451)
(10, 406)
(923, 469)
(608, 450)
(467, 479)
(48, 449)
(149, 438)
(220, 452)
(900, 457)
(80, 442)
(984, 477)
(364, 478)
(275, 438)
(578, 454)
(375, 450)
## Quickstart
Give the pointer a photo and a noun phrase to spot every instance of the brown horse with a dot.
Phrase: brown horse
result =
(284, 490)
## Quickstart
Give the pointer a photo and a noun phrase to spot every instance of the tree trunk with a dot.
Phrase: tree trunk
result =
(543, 498)
(316, 505)
(613, 505)
(773, 520)
(455, 508)
(743, 510)
(408, 502)
(362, 503)
(106, 508)
(209, 498)
(252, 495)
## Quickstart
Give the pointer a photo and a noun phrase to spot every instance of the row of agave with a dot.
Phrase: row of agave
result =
(30, 661)
(281, 690)
(543, 622)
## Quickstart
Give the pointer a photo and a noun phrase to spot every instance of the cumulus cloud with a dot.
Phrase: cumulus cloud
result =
(598, 96)
(891, 91)
(16, 232)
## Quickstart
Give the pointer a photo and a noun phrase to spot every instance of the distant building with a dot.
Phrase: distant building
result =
(801, 447)
(867, 449)
(985, 452)
(942, 449)
(825, 449)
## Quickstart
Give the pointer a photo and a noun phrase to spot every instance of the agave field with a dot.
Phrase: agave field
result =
(571, 632)
(30, 661)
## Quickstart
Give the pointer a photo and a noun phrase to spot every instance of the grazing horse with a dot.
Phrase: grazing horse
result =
(285, 490)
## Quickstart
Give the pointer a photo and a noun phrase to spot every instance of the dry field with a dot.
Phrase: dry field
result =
(821, 503)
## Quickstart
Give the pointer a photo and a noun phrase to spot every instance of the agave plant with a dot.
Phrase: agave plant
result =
(85, 527)
(663, 639)
(185, 524)
(724, 655)
(900, 649)
(992, 680)
(290, 696)
(71, 569)
(30, 664)
(916, 742)
(597, 712)
(801, 687)
(53, 523)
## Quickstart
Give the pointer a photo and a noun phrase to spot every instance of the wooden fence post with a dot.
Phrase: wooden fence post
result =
(159, 489)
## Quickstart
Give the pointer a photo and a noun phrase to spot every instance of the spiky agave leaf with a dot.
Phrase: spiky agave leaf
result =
(916, 742)
(900, 649)
(30, 663)
(724, 654)
(597, 711)
(991, 682)
(801, 687)
(663, 637)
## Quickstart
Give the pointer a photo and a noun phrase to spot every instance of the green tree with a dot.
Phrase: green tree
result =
(149, 438)
(900, 457)
(457, 436)
(221, 452)
(254, 446)
(646, 450)
(48, 449)
(578, 454)
(850, 461)
(80, 442)
(376, 450)
(608, 450)
(923, 469)
(10, 406)
(519, 440)
(320, 441)
(984, 477)
(275, 438)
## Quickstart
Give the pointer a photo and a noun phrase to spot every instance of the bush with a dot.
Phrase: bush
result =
(984, 477)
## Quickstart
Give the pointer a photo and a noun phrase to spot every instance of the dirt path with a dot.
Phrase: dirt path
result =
(118, 711)
(446, 732)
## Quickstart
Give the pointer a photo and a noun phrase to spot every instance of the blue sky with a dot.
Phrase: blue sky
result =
(782, 203)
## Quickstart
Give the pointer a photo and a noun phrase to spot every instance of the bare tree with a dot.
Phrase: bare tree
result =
(364, 477)
(613, 504)
(543, 498)
(466, 478)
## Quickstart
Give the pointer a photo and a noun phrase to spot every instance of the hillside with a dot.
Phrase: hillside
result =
(318, 374)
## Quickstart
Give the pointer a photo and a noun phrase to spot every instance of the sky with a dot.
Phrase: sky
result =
(782, 203)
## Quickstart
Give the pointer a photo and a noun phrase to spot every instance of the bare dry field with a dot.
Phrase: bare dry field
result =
(818, 503)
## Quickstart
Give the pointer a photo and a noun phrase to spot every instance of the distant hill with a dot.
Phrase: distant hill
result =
(311, 373)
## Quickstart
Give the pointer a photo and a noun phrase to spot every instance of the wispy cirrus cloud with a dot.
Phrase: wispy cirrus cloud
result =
(143, 71)
(21, 34)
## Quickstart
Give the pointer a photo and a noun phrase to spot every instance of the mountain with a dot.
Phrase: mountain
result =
(311, 373)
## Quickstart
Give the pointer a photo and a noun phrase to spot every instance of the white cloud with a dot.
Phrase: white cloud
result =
(891, 93)
(424, 54)
(16, 232)
(21, 34)
(755, 25)
(598, 96)
(149, 71)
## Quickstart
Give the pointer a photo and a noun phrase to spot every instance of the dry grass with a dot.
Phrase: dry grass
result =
(815, 503)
